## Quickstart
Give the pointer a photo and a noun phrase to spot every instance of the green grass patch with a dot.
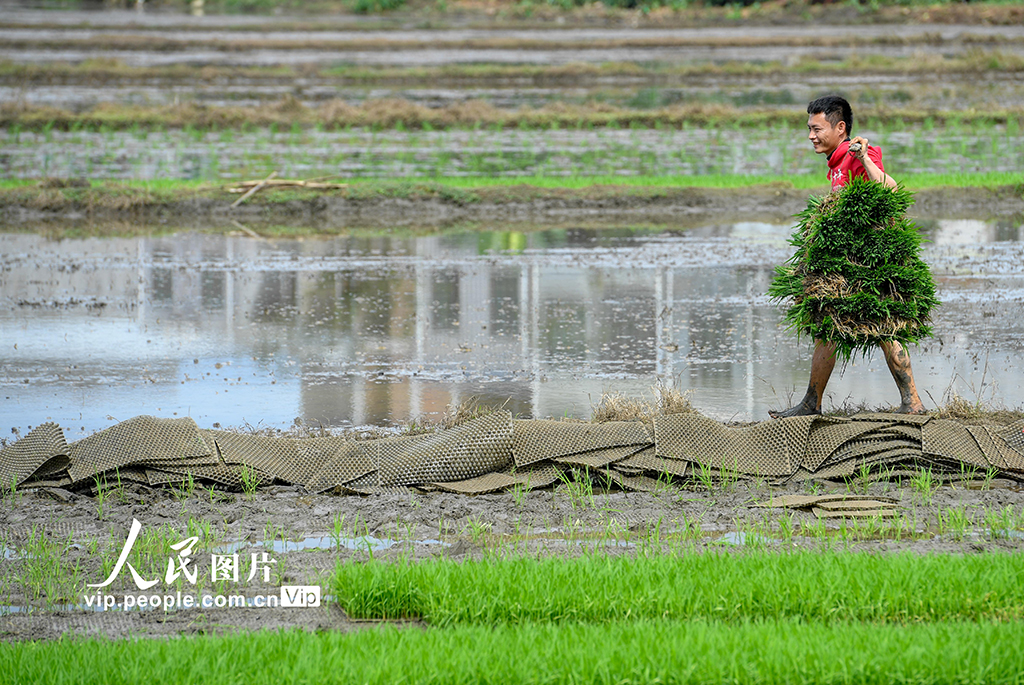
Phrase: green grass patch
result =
(767, 585)
(795, 651)
(396, 114)
(802, 181)
(639, 75)
(366, 187)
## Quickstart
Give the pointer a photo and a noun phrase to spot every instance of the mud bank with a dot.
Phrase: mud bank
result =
(545, 522)
(48, 210)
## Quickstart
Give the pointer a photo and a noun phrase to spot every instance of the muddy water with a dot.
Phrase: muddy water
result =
(357, 153)
(355, 331)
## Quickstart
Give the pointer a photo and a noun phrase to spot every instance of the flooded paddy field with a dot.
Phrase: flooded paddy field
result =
(355, 331)
(361, 153)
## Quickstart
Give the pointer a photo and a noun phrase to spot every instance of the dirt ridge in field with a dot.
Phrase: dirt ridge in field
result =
(431, 207)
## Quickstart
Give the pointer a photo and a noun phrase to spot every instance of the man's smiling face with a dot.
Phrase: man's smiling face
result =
(824, 136)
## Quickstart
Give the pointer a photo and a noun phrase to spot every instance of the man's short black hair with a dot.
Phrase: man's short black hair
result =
(835, 109)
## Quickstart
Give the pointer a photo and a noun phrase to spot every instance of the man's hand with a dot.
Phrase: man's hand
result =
(858, 148)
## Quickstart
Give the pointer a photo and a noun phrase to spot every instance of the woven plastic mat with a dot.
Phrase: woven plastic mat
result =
(482, 445)
(765, 449)
(898, 431)
(48, 482)
(291, 460)
(228, 476)
(143, 440)
(1012, 437)
(900, 419)
(995, 449)
(635, 483)
(368, 485)
(535, 476)
(827, 436)
(647, 460)
(350, 460)
(126, 474)
(852, 467)
(864, 447)
(596, 459)
(807, 501)
(954, 441)
(854, 513)
(536, 440)
(43, 447)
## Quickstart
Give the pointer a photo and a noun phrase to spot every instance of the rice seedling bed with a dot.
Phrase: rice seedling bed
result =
(763, 585)
(219, 155)
(639, 651)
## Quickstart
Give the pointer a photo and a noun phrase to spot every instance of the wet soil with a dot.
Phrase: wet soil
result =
(480, 208)
(426, 525)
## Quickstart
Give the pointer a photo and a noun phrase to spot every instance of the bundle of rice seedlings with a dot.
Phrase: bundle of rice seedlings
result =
(856, 278)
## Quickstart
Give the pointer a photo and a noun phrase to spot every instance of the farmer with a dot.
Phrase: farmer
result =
(829, 125)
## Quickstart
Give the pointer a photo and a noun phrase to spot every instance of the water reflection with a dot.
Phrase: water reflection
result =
(356, 330)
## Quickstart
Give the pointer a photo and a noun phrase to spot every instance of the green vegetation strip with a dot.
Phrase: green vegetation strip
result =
(103, 193)
(641, 652)
(578, 73)
(470, 115)
(828, 587)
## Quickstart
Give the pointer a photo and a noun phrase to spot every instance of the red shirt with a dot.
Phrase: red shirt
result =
(842, 167)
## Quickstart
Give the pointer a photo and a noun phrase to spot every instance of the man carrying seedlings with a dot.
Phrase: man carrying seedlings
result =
(829, 125)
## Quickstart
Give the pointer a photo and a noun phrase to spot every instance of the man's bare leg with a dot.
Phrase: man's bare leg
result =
(822, 363)
(898, 359)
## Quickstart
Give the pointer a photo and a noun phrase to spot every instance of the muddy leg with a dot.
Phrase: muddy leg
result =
(898, 359)
(822, 363)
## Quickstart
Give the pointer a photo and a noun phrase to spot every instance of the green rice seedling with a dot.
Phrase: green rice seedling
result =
(662, 651)
(990, 475)
(185, 489)
(705, 477)
(10, 490)
(337, 530)
(967, 473)
(519, 491)
(43, 572)
(478, 530)
(863, 481)
(924, 483)
(650, 540)
(579, 489)
(787, 524)
(250, 480)
(729, 476)
(614, 531)
(272, 533)
(663, 485)
(1001, 521)
(202, 529)
(817, 530)
(102, 494)
(760, 584)
(955, 521)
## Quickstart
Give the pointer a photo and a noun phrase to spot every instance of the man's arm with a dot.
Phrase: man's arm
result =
(873, 172)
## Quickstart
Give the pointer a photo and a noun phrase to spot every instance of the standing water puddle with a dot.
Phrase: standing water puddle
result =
(351, 331)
